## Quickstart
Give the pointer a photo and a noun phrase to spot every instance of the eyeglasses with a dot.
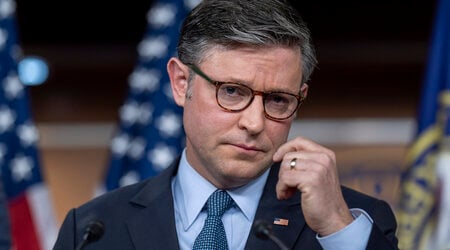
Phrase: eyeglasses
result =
(236, 97)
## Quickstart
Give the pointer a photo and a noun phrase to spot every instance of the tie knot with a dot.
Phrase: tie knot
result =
(219, 202)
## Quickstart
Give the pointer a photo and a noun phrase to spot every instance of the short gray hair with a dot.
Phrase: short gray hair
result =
(237, 23)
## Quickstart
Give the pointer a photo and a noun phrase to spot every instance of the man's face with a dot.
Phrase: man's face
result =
(232, 148)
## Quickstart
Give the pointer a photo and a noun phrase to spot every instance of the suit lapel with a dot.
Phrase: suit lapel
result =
(271, 208)
(154, 216)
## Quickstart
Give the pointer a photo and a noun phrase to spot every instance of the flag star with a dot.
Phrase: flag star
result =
(132, 112)
(21, 168)
(162, 15)
(7, 8)
(28, 134)
(146, 113)
(161, 156)
(169, 124)
(13, 87)
(129, 113)
(142, 79)
(154, 47)
(3, 37)
(136, 148)
(119, 145)
(129, 178)
(7, 118)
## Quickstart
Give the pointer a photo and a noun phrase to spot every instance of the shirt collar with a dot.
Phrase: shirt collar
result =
(191, 191)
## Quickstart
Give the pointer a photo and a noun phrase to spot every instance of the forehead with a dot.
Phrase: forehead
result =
(212, 50)
(253, 64)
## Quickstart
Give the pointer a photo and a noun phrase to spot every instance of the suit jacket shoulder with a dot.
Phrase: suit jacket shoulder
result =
(139, 216)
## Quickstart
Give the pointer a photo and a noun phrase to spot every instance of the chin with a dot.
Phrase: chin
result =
(245, 171)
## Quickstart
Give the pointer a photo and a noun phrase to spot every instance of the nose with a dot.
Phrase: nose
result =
(252, 118)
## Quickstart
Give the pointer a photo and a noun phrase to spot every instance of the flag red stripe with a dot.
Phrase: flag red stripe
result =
(22, 225)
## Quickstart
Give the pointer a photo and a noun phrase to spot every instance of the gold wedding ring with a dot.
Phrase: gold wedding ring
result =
(293, 163)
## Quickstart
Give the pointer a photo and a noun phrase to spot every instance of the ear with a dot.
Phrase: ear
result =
(178, 74)
(304, 89)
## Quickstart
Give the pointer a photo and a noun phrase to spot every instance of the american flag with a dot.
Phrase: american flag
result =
(280, 221)
(150, 133)
(30, 211)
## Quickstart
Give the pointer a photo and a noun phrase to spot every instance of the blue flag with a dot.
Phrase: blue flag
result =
(30, 210)
(422, 214)
(150, 133)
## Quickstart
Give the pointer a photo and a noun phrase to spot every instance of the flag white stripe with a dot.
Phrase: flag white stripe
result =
(42, 213)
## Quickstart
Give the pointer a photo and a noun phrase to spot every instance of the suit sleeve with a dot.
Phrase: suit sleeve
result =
(383, 234)
(67, 233)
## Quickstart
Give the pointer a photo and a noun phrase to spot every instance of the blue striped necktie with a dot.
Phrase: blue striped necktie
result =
(213, 234)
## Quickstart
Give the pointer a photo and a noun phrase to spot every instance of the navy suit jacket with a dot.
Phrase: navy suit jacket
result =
(141, 216)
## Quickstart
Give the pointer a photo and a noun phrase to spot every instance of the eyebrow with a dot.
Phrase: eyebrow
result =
(199, 72)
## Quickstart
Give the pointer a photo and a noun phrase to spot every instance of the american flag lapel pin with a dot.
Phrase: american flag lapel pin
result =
(281, 221)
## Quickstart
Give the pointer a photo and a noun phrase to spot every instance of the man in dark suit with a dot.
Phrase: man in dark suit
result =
(240, 76)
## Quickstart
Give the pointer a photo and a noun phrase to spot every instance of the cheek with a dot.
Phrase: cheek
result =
(278, 133)
(202, 118)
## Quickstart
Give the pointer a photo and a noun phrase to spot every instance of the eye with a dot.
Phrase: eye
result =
(232, 90)
(280, 103)
(278, 99)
